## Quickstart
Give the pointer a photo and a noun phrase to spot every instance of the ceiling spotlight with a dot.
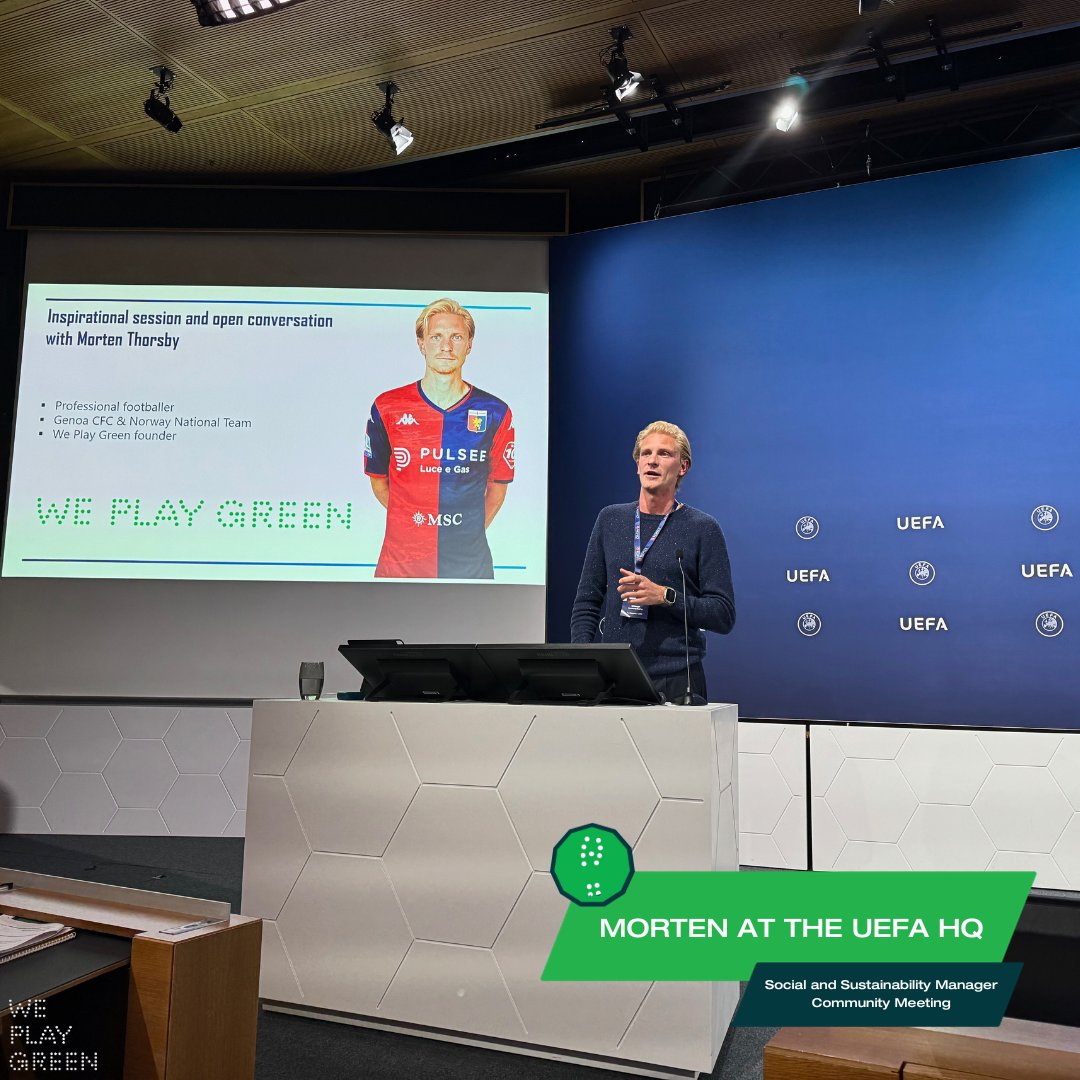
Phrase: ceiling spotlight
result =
(219, 12)
(786, 115)
(623, 80)
(398, 135)
(157, 106)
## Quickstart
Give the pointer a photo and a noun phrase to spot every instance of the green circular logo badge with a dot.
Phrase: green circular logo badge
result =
(592, 865)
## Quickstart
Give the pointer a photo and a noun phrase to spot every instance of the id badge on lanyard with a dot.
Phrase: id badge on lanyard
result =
(637, 611)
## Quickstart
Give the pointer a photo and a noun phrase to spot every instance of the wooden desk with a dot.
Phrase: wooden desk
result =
(1017, 1050)
(192, 1003)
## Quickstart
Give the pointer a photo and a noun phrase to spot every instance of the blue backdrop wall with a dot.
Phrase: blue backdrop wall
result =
(899, 362)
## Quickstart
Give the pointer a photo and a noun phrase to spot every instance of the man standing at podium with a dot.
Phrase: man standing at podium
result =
(631, 587)
(439, 454)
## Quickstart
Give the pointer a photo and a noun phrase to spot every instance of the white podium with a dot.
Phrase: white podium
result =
(400, 854)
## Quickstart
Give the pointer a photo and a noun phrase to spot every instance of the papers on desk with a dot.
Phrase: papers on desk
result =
(20, 937)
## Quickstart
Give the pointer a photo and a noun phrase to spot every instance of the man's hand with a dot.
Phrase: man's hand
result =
(638, 589)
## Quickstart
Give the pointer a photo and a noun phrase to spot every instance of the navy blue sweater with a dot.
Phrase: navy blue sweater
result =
(658, 640)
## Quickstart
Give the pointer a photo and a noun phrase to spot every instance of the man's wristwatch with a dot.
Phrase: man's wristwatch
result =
(669, 596)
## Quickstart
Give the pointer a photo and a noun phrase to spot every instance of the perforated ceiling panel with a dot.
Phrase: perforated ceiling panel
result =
(295, 89)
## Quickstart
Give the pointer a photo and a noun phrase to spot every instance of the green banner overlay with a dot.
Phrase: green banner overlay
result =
(716, 926)
(877, 995)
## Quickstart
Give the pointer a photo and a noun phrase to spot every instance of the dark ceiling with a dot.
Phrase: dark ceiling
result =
(287, 97)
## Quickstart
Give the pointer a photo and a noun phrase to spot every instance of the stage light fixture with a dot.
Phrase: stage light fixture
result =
(786, 115)
(623, 81)
(157, 105)
(868, 7)
(397, 134)
(220, 12)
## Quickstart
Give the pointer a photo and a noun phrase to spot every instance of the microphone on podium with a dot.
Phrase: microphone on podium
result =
(688, 697)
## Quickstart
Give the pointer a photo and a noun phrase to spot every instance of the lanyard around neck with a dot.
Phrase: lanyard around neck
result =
(639, 552)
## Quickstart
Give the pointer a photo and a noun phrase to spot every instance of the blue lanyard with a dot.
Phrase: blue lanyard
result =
(639, 553)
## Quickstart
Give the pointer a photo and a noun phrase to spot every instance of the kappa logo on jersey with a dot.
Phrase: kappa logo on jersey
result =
(808, 623)
(806, 528)
(407, 419)
(1044, 518)
(508, 454)
(922, 572)
(402, 457)
(1049, 623)
(478, 419)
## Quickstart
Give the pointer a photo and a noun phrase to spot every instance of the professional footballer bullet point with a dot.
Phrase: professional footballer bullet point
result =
(592, 865)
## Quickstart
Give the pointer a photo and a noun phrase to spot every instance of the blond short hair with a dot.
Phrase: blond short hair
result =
(662, 427)
(445, 306)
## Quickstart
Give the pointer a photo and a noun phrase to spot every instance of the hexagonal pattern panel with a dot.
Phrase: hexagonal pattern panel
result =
(434, 858)
(452, 987)
(456, 744)
(275, 849)
(449, 926)
(27, 771)
(140, 773)
(124, 746)
(1066, 853)
(344, 932)
(197, 806)
(548, 791)
(871, 800)
(351, 781)
(1065, 768)
(946, 838)
(763, 794)
(1022, 808)
(83, 739)
(201, 740)
(588, 1015)
(79, 803)
(27, 721)
(865, 741)
(944, 766)
(1020, 747)
(143, 721)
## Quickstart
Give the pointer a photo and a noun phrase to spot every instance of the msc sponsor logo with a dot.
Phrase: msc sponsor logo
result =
(508, 454)
(1049, 623)
(923, 622)
(407, 419)
(421, 519)
(807, 576)
(402, 457)
(1045, 569)
(926, 521)
(806, 528)
(808, 623)
(1045, 518)
(922, 572)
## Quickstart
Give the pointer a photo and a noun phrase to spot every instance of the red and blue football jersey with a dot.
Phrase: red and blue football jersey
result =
(439, 463)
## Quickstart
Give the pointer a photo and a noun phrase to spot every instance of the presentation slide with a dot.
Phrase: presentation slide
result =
(280, 434)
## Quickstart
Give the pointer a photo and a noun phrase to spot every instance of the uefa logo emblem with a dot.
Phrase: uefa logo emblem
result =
(1049, 623)
(1044, 518)
(921, 572)
(808, 623)
(806, 528)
